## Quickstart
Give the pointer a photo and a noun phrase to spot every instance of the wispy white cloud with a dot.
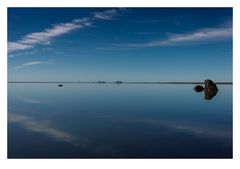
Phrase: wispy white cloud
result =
(45, 37)
(13, 46)
(30, 52)
(106, 15)
(199, 36)
(33, 63)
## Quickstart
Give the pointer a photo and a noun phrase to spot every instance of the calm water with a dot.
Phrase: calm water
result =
(118, 121)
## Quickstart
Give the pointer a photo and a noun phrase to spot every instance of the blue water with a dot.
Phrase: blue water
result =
(118, 121)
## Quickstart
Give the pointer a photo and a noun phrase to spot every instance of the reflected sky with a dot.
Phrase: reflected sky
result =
(30, 100)
(118, 121)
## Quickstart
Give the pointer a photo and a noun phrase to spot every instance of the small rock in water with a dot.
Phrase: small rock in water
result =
(198, 88)
(60, 85)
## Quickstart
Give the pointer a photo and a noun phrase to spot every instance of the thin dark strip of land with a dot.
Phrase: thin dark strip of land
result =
(118, 82)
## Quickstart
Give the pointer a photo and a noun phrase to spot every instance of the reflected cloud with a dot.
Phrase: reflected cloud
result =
(180, 126)
(32, 101)
(28, 100)
(44, 127)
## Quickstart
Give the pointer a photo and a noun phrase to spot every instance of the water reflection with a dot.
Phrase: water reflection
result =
(119, 121)
(30, 100)
(209, 94)
(44, 127)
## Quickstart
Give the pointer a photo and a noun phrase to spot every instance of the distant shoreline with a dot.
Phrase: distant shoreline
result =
(121, 82)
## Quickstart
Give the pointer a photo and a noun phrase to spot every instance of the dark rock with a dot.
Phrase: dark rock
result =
(210, 89)
(60, 85)
(209, 84)
(198, 88)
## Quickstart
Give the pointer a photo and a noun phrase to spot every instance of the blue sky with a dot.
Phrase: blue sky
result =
(128, 44)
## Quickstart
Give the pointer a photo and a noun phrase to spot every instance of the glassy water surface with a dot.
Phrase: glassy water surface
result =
(118, 121)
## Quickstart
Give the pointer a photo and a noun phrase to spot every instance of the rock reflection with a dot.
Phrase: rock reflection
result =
(210, 89)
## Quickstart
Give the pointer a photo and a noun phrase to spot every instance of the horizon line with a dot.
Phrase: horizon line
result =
(121, 82)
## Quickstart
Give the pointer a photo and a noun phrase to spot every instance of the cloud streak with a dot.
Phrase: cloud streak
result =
(106, 15)
(13, 46)
(45, 37)
(198, 36)
(22, 53)
(27, 64)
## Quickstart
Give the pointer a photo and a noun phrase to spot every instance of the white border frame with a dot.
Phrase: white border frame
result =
(118, 163)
